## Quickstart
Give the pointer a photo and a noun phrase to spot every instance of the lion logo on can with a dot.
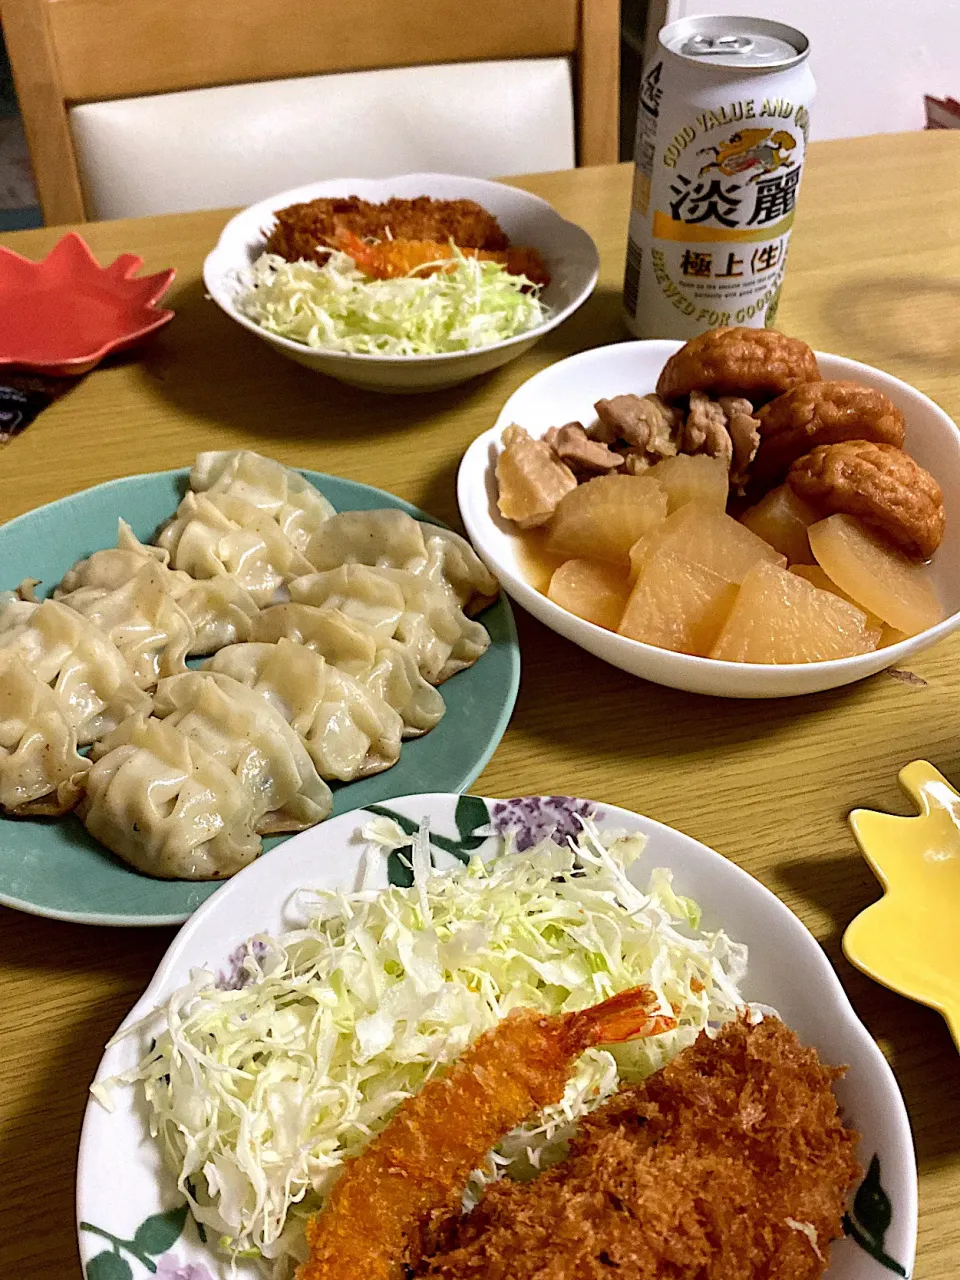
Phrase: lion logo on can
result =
(759, 149)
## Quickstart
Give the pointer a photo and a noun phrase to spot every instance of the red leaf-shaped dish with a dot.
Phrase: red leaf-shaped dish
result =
(64, 314)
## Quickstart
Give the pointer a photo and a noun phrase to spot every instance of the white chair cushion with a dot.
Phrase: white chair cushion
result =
(207, 148)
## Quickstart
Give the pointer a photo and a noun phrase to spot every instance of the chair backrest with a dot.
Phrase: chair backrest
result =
(148, 155)
(68, 54)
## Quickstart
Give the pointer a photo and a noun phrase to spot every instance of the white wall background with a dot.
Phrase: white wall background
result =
(873, 60)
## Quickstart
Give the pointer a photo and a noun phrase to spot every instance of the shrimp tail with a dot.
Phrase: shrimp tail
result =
(349, 242)
(391, 259)
(625, 1016)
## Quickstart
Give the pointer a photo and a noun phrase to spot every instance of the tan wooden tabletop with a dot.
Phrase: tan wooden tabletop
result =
(874, 273)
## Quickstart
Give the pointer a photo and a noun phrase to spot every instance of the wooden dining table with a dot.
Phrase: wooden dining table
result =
(873, 274)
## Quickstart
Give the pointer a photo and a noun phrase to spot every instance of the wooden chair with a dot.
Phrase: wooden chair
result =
(69, 52)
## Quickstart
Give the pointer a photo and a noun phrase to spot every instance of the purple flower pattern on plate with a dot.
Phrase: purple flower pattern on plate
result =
(169, 1267)
(236, 977)
(530, 819)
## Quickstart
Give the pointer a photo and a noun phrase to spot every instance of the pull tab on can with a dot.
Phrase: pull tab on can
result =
(700, 46)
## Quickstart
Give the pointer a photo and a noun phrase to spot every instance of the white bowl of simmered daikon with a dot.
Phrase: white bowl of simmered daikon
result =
(817, 546)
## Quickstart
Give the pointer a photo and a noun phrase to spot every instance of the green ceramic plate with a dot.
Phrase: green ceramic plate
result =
(53, 868)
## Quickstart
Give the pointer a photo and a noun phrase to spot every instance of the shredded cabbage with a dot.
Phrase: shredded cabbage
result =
(258, 1090)
(337, 308)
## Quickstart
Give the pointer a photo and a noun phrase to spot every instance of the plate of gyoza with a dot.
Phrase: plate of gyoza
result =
(196, 662)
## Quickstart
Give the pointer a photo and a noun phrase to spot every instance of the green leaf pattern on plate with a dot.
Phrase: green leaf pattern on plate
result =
(399, 867)
(870, 1219)
(108, 1266)
(471, 816)
(152, 1238)
(160, 1231)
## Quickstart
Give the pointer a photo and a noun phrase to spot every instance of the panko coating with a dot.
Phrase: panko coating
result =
(756, 363)
(819, 413)
(304, 230)
(732, 1163)
(878, 483)
(372, 1224)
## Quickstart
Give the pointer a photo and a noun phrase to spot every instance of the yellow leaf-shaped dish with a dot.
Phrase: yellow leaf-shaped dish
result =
(910, 939)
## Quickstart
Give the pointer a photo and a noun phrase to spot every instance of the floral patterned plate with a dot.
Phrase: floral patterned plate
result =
(132, 1223)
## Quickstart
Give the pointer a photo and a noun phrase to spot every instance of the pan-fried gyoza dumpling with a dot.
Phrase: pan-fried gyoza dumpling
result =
(280, 492)
(442, 639)
(390, 539)
(349, 730)
(114, 566)
(383, 665)
(358, 592)
(143, 620)
(211, 536)
(249, 736)
(452, 562)
(439, 636)
(219, 609)
(384, 536)
(93, 683)
(396, 676)
(40, 770)
(328, 631)
(158, 800)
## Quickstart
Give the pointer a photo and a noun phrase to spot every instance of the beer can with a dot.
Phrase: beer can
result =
(722, 128)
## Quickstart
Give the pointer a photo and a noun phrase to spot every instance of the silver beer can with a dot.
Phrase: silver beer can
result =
(722, 129)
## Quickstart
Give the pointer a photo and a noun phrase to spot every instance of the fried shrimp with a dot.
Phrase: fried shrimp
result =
(418, 1166)
(388, 259)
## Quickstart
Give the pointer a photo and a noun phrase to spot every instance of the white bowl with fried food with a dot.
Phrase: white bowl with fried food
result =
(568, 251)
(568, 391)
